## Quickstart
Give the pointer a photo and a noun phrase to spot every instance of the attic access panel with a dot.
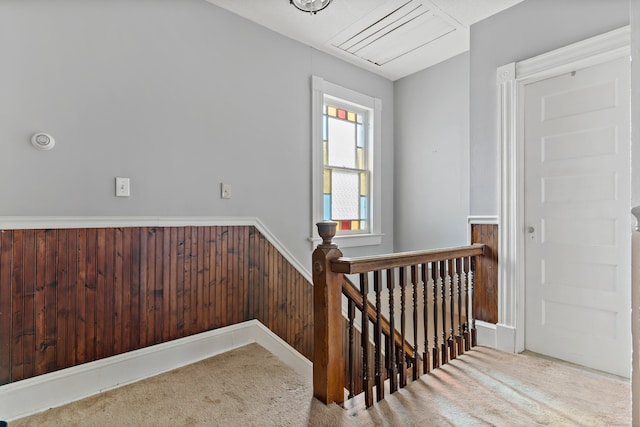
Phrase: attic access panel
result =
(392, 32)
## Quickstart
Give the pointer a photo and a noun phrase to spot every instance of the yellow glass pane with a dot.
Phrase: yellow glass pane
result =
(355, 225)
(325, 152)
(332, 111)
(327, 181)
(363, 184)
(360, 159)
(338, 226)
(351, 116)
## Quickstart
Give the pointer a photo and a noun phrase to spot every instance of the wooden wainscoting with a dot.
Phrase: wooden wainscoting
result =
(485, 305)
(71, 296)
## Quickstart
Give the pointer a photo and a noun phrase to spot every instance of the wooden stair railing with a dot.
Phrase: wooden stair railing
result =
(442, 279)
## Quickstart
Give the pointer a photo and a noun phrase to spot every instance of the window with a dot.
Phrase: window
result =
(346, 134)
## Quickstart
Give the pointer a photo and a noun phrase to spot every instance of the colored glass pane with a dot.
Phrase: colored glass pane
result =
(332, 111)
(325, 130)
(363, 183)
(363, 207)
(325, 152)
(363, 225)
(326, 215)
(355, 225)
(351, 116)
(345, 200)
(360, 135)
(346, 225)
(360, 118)
(327, 181)
(341, 144)
(342, 114)
(360, 158)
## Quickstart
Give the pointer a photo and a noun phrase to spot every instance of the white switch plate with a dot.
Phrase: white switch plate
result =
(123, 187)
(225, 190)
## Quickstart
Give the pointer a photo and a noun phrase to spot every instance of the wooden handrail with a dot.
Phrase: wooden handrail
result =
(351, 291)
(402, 259)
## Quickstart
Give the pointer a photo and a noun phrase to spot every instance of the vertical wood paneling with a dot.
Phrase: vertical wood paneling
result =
(71, 296)
(486, 278)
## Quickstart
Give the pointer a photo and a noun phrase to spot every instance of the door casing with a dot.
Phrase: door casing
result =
(511, 79)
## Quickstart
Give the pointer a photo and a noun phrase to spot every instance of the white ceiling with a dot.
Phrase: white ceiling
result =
(393, 38)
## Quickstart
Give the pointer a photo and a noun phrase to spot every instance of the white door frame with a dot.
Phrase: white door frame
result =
(511, 79)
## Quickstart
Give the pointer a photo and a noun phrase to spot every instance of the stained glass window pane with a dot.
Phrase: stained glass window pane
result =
(363, 225)
(360, 158)
(324, 128)
(327, 207)
(342, 114)
(341, 144)
(359, 119)
(331, 111)
(351, 116)
(325, 152)
(346, 225)
(363, 184)
(327, 181)
(360, 135)
(355, 225)
(345, 201)
(363, 207)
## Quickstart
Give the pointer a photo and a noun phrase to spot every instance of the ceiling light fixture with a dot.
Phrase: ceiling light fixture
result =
(310, 6)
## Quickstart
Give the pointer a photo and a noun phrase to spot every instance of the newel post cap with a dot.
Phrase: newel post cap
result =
(327, 230)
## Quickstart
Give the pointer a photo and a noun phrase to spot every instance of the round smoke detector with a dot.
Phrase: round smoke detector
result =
(42, 141)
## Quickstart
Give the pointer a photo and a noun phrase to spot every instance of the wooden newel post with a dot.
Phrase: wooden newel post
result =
(328, 356)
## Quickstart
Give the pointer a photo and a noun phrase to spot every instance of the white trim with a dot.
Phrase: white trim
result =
(60, 222)
(486, 334)
(40, 393)
(511, 79)
(320, 88)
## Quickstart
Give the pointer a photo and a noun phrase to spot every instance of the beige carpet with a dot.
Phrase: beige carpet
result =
(251, 387)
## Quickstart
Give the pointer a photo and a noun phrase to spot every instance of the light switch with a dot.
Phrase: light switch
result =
(123, 188)
(225, 190)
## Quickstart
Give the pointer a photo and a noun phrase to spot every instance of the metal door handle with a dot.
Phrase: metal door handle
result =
(530, 229)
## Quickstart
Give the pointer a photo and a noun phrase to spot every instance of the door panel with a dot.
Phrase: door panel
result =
(577, 200)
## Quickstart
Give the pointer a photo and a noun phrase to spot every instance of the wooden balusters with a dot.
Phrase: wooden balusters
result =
(425, 318)
(466, 333)
(402, 359)
(392, 372)
(367, 382)
(443, 295)
(436, 350)
(415, 362)
(379, 376)
(450, 272)
(460, 280)
(452, 280)
(474, 337)
(351, 313)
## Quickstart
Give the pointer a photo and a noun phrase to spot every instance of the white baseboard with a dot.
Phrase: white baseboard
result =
(40, 393)
(486, 333)
(502, 337)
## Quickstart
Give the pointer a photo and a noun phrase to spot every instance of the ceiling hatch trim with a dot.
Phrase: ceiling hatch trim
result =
(395, 31)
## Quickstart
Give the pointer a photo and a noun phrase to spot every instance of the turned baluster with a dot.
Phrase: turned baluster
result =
(391, 351)
(461, 279)
(436, 349)
(466, 332)
(452, 286)
(425, 318)
(414, 282)
(472, 290)
(351, 313)
(379, 375)
(402, 359)
(443, 295)
(367, 381)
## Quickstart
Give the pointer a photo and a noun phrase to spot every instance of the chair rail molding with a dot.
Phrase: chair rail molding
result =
(510, 80)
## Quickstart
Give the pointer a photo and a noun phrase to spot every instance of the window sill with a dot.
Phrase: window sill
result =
(351, 240)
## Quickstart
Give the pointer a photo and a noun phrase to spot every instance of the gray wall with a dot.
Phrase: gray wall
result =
(178, 95)
(432, 156)
(528, 29)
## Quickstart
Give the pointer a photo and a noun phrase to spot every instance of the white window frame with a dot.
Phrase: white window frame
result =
(320, 89)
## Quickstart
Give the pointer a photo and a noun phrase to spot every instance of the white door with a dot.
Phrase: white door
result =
(577, 223)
